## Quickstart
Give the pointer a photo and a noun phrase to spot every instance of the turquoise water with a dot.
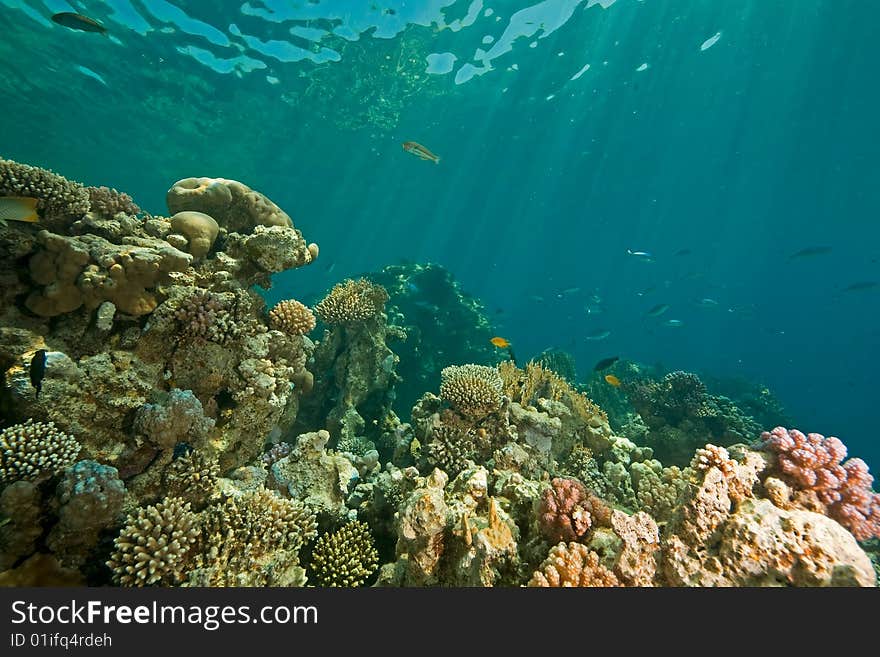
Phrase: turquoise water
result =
(742, 149)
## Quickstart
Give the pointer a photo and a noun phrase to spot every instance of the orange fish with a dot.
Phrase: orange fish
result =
(501, 343)
(613, 380)
(420, 151)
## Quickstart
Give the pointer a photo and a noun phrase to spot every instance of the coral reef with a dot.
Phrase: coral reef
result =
(352, 302)
(345, 558)
(110, 202)
(472, 390)
(566, 512)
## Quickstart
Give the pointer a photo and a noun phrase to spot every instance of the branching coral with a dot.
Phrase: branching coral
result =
(473, 390)
(292, 317)
(193, 478)
(567, 511)
(573, 565)
(109, 202)
(34, 450)
(352, 302)
(345, 558)
(814, 463)
(156, 545)
(57, 196)
(254, 540)
(449, 449)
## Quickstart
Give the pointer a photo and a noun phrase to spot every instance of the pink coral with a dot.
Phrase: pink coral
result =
(567, 511)
(814, 463)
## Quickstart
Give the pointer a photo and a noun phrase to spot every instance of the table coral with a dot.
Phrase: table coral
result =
(815, 463)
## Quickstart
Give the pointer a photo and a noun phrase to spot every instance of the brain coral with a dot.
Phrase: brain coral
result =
(471, 389)
(292, 317)
(570, 565)
(156, 545)
(352, 302)
(58, 197)
(814, 463)
(34, 450)
(345, 558)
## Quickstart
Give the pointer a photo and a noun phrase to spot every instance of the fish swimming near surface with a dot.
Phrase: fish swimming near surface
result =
(605, 363)
(860, 286)
(612, 380)
(18, 208)
(810, 251)
(640, 254)
(420, 151)
(38, 370)
(601, 334)
(79, 22)
(658, 310)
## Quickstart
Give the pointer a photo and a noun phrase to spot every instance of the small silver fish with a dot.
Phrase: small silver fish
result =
(674, 323)
(598, 335)
(639, 254)
(658, 310)
(707, 302)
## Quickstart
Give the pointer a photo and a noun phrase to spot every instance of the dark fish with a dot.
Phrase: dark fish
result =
(811, 251)
(512, 356)
(861, 285)
(38, 370)
(657, 310)
(79, 22)
(683, 252)
(605, 363)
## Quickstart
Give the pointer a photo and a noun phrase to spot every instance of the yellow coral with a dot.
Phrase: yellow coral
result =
(292, 317)
(345, 558)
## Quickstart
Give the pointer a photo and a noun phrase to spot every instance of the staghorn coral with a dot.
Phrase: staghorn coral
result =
(110, 202)
(34, 451)
(57, 197)
(815, 463)
(473, 390)
(345, 558)
(352, 302)
(156, 546)
(570, 565)
(90, 496)
(291, 317)
(253, 539)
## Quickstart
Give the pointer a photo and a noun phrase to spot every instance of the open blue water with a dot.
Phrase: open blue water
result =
(741, 132)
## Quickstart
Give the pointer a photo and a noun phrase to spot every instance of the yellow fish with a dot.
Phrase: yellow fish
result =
(613, 380)
(18, 208)
(501, 343)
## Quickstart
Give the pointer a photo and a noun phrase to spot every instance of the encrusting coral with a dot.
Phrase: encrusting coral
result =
(345, 558)
(34, 451)
(156, 545)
